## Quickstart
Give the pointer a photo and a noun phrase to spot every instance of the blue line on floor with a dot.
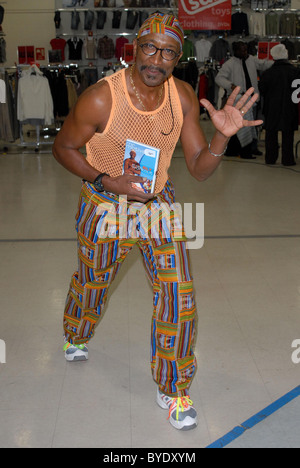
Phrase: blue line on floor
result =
(256, 419)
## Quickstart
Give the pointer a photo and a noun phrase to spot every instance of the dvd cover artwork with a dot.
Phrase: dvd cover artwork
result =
(141, 160)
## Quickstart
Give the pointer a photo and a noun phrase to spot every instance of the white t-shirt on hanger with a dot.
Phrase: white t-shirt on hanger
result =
(2, 92)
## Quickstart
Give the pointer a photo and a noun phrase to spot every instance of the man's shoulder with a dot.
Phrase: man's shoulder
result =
(231, 62)
(96, 93)
(94, 103)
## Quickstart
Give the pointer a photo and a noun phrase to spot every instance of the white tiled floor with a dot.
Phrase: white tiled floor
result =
(247, 280)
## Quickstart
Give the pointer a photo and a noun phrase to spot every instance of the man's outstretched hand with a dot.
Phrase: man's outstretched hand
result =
(230, 119)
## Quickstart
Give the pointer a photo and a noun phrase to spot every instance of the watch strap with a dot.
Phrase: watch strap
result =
(98, 182)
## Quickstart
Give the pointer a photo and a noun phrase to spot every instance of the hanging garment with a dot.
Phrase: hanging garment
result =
(132, 18)
(34, 97)
(257, 24)
(288, 24)
(2, 50)
(143, 15)
(202, 87)
(61, 96)
(202, 47)
(88, 20)
(1, 14)
(59, 44)
(75, 48)
(101, 19)
(290, 46)
(187, 71)
(72, 94)
(188, 50)
(91, 75)
(272, 23)
(2, 92)
(106, 48)
(75, 19)
(116, 19)
(90, 45)
(57, 19)
(120, 42)
(7, 132)
(239, 24)
(219, 49)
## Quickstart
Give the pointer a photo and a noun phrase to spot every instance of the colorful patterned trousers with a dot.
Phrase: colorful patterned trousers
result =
(106, 234)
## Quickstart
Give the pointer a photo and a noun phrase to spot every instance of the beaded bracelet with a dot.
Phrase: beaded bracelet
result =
(214, 154)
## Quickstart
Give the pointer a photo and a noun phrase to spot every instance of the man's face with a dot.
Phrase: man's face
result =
(153, 69)
(242, 51)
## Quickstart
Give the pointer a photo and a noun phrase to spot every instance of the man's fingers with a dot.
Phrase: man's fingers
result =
(249, 92)
(208, 106)
(252, 123)
(233, 95)
(244, 106)
(244, 99)
(135, 178)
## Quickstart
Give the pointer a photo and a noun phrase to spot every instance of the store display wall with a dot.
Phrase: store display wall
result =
(77, 42)
(28, 23)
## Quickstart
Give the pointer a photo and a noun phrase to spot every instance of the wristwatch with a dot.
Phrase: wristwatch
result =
(98, 182)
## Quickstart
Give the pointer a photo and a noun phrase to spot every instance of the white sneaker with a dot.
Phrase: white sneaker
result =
(182, 415)
(76, 352)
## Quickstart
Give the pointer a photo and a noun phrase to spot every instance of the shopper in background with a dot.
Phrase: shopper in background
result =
(280, 112)
(147, 104)
(242, 70)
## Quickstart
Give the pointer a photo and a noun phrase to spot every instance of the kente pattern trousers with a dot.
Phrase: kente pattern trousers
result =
(166, 262)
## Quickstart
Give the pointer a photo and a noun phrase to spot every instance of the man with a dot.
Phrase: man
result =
(241, 70)
(280, 112)
(146, 104)
(131, 166)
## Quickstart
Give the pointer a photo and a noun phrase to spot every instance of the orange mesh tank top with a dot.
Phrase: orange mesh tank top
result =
(105, 151)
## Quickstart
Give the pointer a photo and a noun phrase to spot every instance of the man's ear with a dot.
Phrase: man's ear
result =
(178, 58)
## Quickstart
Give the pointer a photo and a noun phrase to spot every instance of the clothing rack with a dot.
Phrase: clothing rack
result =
(97, 34)
(19, 127)
(34, 71)
(31, 11)
(152, 9)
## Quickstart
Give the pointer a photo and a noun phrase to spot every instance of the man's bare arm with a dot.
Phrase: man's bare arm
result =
(200, 156)
(201, 164)
(78, 128)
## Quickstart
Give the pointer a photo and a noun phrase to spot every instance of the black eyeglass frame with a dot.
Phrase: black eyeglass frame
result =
(161, 51)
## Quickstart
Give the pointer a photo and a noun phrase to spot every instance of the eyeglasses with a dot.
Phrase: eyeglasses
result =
(151, 49)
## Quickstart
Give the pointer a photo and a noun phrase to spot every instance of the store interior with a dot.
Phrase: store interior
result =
(246, 274)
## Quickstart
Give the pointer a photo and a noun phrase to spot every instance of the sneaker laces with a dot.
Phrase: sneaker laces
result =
(181, 404)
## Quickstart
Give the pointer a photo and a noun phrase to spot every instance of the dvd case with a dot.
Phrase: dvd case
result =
(141, 160)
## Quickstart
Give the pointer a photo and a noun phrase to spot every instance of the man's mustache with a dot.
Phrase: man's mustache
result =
(151, 68)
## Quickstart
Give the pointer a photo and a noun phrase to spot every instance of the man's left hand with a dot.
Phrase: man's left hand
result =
(230, 119)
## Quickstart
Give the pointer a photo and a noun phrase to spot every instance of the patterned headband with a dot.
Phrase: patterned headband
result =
(163, 24)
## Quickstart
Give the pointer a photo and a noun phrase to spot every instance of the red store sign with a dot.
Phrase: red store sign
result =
(203, 15)
(264, 50)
